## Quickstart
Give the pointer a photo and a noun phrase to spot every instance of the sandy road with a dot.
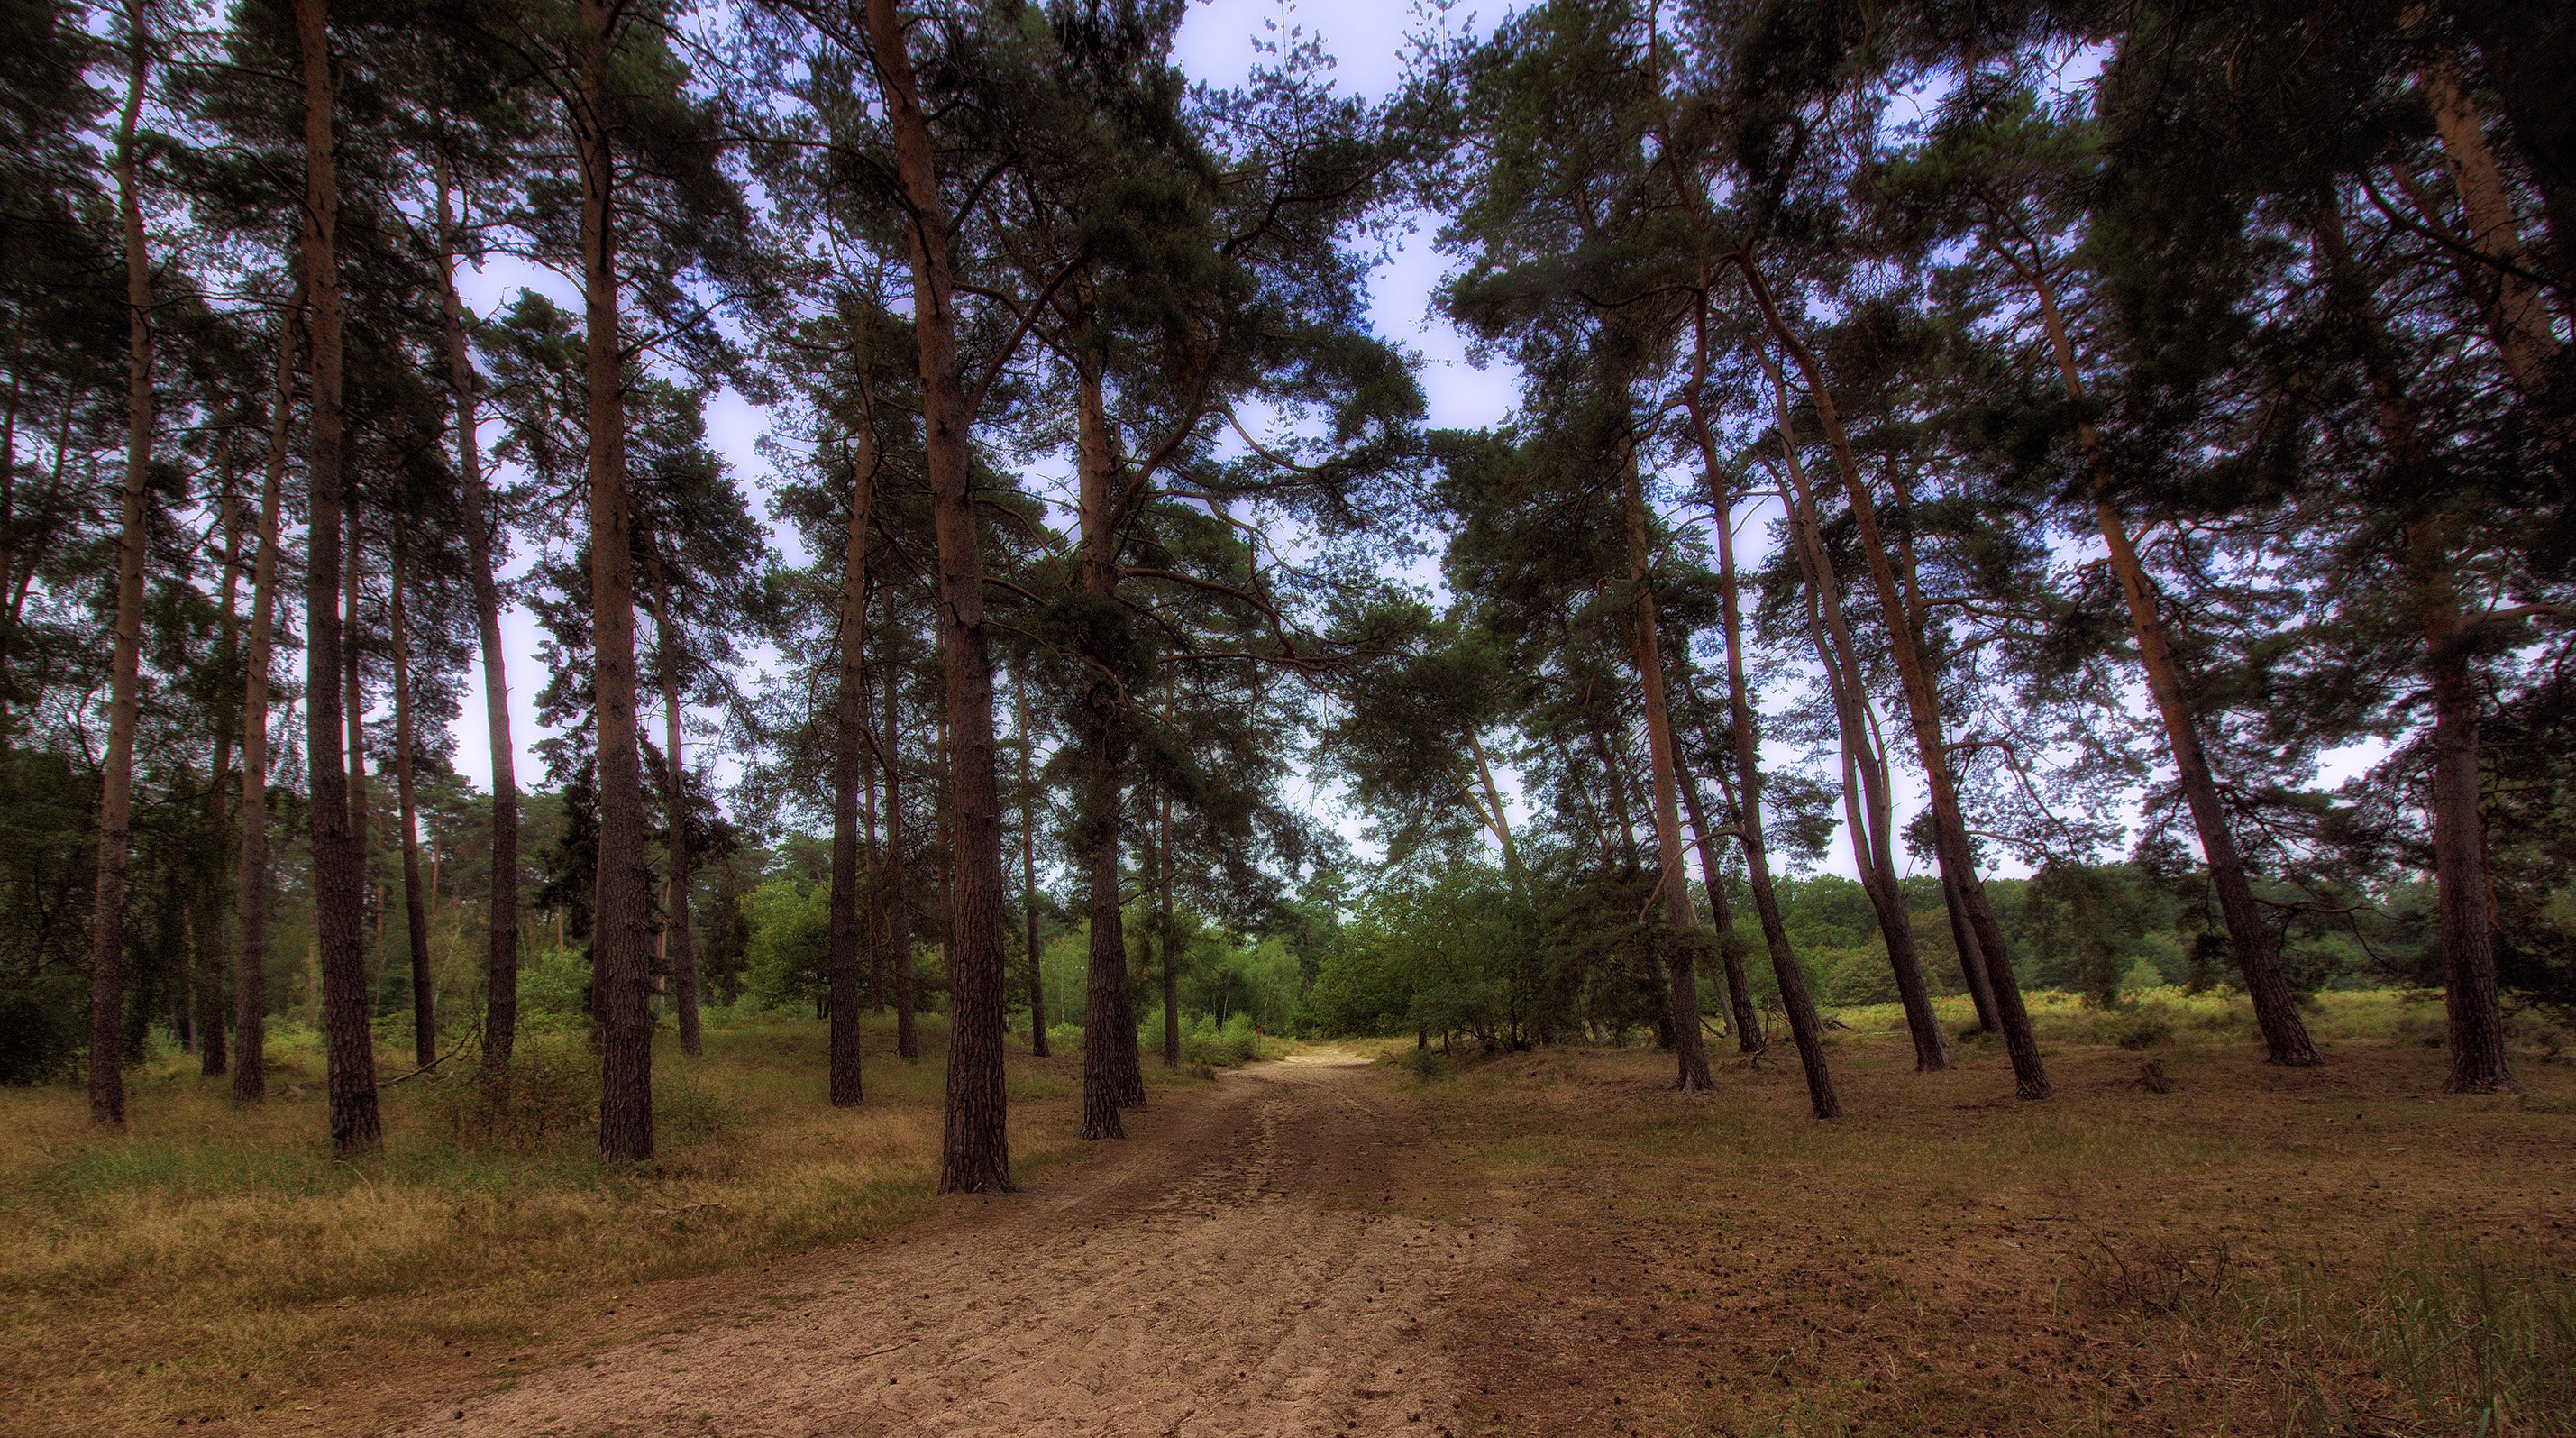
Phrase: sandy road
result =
(1236, 1269)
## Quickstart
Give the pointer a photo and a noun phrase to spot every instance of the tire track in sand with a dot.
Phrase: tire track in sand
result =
(1234, 1270)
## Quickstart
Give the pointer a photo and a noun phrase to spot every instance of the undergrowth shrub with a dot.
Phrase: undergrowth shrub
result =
(545, 1096)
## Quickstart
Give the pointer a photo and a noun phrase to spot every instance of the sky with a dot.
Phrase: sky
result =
(1218, 44)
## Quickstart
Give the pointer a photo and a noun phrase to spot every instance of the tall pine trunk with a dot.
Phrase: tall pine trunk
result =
(1690, 1051)
(621, 923)
(125, 661)
(1923, 703)
(1029, 864)
(501, 930)
(2472, 996)
(353, 707)
(897, 889)
(348, 1044)
(1163, 934)
(675, 909)
(251, 880)
(975, 1149)
(1109, 1060)
(208, 981)
(849, 762)
(424, 991)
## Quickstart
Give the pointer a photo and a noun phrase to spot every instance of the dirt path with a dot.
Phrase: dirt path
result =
(1238, 1268)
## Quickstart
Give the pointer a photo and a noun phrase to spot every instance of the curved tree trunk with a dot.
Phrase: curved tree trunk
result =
(849, 757)
(251, 880)
(1866, 797)
(1923, 704)
(339, 878)
(621, 937)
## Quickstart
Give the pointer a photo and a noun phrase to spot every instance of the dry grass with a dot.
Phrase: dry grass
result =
(215, 1264)
(2253, 1250)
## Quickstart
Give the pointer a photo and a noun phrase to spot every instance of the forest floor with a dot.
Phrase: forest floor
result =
(1538, 1243)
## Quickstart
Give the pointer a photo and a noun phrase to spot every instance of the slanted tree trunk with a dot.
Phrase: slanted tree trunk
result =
(1108, 1028)
(424, 994)
(125, 660)
(348, 1044)
(897, 896)
(849, 760)
(1690, 1052)
(1749, 1039)
(975, 1150)
(1867, 802)
(1029, 865)
(1923, 703)
(2276, 1011)
(621, 924)
(1972, 963)
(250, 884)
(683, 946)
(501, 931)
(207, 928)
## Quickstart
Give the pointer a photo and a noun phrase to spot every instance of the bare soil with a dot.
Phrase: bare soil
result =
(1255, 1259)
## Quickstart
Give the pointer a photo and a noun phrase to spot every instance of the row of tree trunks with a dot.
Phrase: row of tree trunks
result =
(1690, 1053)
(501, 931)
(349, 1060)
(251, 879)
(849, 758)
(1867, 799)
(1957, 853)
(975, 1148)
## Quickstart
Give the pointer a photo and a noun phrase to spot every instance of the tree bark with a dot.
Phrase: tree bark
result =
(1029, 866)
(349, 1059)
(251, 881)
(1690, 1052)
(849, 761)
(424, 993)
(621, 922)
(501, 932)
(125, 662)
(1972, 963)
(1749, 1039)
(1108, 1033)
(1923, 704)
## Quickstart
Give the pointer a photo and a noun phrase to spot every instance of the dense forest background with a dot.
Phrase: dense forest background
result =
(2034, 438)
